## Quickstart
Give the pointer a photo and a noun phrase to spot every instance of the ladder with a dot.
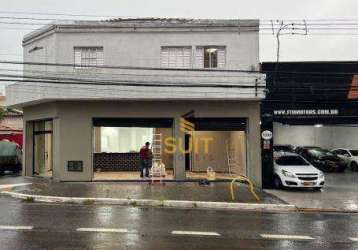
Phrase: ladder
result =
(157, 172)
(230, 155)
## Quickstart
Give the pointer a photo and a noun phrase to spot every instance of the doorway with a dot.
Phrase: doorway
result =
(43, 149)
(218, 144)
(117, 143)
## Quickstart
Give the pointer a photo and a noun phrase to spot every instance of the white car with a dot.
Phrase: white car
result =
(348, 155)
(292, 170)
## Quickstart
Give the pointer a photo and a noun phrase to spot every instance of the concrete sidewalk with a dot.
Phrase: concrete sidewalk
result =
(172, 194)
(188, 191)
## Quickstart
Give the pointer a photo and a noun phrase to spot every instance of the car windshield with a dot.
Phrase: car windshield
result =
(282, 148)
(291, 160)
(354, 152)
(320, 152)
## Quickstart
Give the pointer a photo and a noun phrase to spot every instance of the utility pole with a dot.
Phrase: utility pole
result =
(279, 28)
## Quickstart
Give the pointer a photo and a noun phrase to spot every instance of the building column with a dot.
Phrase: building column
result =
(254, 149)
(179, 154)
(28, 148)
(97, 139)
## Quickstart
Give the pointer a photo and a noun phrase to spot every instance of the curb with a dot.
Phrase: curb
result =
(157, 203)
(327, 210)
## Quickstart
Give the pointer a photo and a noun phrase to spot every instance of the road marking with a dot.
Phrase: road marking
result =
(102, 230)
(3, 227)
(353, 239)
(286, 237)
(195, 233)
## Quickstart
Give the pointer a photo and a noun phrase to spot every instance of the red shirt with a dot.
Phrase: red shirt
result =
(144, 153)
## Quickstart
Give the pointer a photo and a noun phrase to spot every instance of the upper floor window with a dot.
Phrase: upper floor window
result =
(211, 57)
(176, 57)
(88, 56)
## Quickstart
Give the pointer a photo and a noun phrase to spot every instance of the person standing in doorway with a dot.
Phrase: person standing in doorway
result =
(145, 155)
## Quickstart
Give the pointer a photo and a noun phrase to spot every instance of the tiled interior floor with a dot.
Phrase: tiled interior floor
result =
(136, 175)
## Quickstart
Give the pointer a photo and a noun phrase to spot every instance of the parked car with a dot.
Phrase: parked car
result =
(348, 155)
(283, 148)
(292, 170)
(323, 159)
(299, 149)
(10, 157)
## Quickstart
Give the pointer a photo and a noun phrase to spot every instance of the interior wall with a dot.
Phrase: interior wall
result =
(328, 137)
(166, 158)
(216, 155)
(344, 137)
(237, 145)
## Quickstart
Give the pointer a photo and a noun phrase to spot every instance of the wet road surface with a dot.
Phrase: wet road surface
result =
(54, 226)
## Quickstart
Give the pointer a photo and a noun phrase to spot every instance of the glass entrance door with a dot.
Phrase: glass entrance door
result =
(42, 165)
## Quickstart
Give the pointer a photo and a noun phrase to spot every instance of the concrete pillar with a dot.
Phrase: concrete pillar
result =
(254, 149)
(179, 155)
(28, 153)
(57, 165)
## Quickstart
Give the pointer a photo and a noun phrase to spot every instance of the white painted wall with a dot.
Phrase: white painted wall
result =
(143, 49)
(327, 137)
(136, 48)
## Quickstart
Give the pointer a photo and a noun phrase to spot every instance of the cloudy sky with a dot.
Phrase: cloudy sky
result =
(294, 48)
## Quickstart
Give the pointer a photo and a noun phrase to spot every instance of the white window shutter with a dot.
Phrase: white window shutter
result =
(187, 57)
(88, 56)
(175, 57)
(164, 58)
(78, 56)
(221, 57)
(199, 57)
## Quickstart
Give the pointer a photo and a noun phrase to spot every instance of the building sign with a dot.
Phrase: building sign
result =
(266, 135)
(75, 166)
(306, 112)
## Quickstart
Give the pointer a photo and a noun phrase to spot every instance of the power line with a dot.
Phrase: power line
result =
(122, 82)
(136, 74)
(55, 14)
(173, 69)
(125, 67)
(303, 85)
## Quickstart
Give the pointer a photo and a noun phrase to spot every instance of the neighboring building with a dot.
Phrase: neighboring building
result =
(11, 124)
(309, 104)
(140, 73)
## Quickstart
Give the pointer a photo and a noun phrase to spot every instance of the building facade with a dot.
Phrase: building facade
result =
(139, 73)
(309, 104)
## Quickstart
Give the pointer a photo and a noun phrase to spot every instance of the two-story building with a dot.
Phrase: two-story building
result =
(95, 91)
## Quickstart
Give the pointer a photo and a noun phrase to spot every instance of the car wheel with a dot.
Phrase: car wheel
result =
(341, 169)
(354, 166)
(277, 182)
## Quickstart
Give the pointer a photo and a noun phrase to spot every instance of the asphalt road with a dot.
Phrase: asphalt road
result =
(53, 226)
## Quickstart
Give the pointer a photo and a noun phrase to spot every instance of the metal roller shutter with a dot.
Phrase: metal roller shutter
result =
(219, 124)
(133, 122)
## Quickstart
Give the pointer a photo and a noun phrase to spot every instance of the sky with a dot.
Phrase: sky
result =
(293, 48)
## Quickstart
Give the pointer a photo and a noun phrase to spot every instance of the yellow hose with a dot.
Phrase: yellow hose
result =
(250, 186)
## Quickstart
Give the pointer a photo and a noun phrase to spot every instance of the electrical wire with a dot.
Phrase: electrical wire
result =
(175, 69)
(125, 82)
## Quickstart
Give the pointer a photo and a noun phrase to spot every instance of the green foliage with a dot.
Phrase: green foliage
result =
(29, 199)
(88, 202)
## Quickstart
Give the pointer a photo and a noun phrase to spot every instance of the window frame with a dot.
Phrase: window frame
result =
(190, 47)
(218, 59)
(81, 65)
